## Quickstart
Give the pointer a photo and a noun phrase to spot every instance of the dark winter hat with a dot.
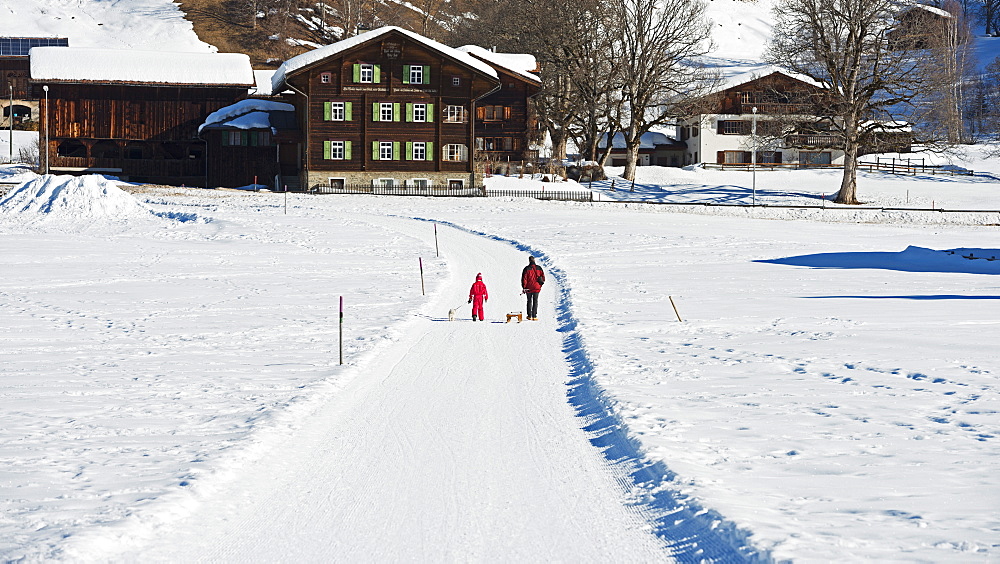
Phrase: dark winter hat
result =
(479, 276)
(531, 260)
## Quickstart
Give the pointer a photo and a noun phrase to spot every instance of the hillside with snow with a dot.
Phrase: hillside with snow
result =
(149, 25)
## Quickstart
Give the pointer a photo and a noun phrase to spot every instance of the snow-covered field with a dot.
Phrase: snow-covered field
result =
(831, 394)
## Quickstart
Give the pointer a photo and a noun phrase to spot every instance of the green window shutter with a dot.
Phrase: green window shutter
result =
(374, 150)
(430, 112)
(429, 151)
(375, 112)
(409, 151)
(326, 150)
(395, 150)
(326, 111)
(406, 74)
(427, 74)
(244, 138)
(347, 150)
(347, 111)
(225, 138)
(395, 111)
(378, 74)
(357, 73)
(409, 111)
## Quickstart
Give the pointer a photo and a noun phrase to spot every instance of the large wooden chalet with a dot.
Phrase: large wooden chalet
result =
(134, 114)
(387, 107)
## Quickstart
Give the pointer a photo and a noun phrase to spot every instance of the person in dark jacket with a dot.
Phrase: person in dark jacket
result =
(532, 279)
(478, 295)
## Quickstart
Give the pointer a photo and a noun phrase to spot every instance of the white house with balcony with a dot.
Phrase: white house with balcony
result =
(762, 112)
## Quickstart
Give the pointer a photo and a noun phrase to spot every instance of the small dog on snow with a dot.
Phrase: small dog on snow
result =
(451, 313)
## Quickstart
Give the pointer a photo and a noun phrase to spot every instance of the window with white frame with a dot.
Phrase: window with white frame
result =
(385, 111)
(420, 183)
(337, 150)
(337, 111)
(456, 152)
(386, 182)
(325, 78)
(419, 112)
(416, 74)
(419, 151)
(456, 81)
(455, 114)
(367, 73)
(385, 152)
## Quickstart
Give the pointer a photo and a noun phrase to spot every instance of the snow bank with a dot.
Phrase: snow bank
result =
(80, 198)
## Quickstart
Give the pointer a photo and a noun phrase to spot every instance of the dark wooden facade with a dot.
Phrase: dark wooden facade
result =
(774, 94)
(504, 117)
(14, 72)
(141, 133)
(368, 114)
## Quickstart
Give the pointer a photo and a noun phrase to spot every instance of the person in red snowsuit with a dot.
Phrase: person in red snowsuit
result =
(478, 295)
(532, 278)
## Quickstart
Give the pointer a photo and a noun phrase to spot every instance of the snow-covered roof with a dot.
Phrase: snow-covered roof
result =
(649, 140)
(517, 63)
(936, 11)
(262, 82)
(748, 74)
(74, 64)
(294, 64)
(247, 114)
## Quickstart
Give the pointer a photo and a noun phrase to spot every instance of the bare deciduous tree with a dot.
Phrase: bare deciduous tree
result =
(869, 82)
(660, 41)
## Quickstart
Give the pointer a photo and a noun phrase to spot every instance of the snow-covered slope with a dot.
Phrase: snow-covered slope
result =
(153, 25)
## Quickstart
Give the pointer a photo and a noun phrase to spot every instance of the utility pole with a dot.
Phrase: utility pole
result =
(46, 89)
(10, 117)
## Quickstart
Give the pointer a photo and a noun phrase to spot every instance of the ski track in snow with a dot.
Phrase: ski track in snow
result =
(692, 533)
(454, 457)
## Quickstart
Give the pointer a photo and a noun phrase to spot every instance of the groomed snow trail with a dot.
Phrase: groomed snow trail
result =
(455, 443)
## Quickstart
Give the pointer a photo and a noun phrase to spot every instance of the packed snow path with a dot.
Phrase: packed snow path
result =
(457, 443)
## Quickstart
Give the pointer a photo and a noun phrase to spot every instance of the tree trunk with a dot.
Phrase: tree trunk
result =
(631, 158)
(849, 183)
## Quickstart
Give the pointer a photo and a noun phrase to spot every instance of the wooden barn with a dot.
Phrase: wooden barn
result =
(253, 141)
(133, 114)
(387, 107)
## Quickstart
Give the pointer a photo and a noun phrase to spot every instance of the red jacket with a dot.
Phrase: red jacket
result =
(532, 278)
(478, 290)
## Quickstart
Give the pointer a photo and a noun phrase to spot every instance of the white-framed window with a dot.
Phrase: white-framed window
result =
(456, 114)
(386, 182)
(325, 78)
(456, 152)
(385, 150)
(419, 112)
(385, 112)
(419, 151)
(456, 183)
(337, 112)
(420, 183)
(338, 183)
(337, 150)
(416, 74)
(367, 73)
(456, 81)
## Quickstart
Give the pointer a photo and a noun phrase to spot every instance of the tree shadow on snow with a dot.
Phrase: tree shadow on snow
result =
(912, 259)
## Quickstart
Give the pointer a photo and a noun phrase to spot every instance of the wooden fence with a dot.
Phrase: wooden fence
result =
(454, 192)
